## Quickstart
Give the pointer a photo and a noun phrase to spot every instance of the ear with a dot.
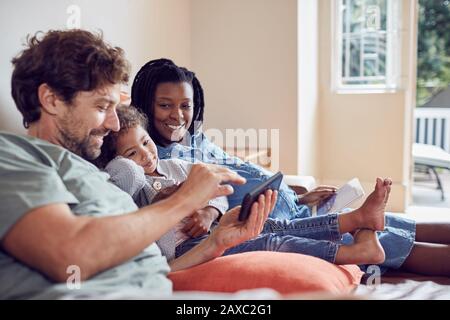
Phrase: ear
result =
(50, 102)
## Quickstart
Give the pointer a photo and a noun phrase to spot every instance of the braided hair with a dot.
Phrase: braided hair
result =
(147, 80)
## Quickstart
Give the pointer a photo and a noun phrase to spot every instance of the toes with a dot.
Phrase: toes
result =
(383, 186)
(387, 183)
(379, 188)
(379, 183)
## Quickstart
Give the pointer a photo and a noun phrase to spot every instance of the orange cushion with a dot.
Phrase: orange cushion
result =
(283, 272)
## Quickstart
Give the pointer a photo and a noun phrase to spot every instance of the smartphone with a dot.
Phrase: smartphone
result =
(272, 183)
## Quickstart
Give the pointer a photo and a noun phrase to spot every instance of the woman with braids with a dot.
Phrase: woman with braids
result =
(173, 100)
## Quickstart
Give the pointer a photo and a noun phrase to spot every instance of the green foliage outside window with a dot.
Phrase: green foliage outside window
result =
(433, 69)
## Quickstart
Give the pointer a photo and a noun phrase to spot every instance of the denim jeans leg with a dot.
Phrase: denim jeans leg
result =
(319, 228)
(315, 236)
(322, 249)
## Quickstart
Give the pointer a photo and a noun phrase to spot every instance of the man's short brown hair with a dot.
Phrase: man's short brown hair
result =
(68, 62)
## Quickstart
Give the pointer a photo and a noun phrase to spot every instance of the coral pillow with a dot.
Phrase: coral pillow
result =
(283, 272)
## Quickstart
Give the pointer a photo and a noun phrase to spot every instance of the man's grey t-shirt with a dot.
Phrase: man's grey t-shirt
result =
(34, 173)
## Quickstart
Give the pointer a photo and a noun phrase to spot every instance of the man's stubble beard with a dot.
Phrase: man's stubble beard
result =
(70, 138)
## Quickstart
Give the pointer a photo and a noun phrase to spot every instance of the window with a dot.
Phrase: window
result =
(367, 44)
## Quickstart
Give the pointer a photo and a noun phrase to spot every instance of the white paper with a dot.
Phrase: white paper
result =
(344, 197)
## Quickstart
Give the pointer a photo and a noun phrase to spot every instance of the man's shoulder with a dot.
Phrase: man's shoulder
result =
(9, 139)
(14, 143)
(19, 149)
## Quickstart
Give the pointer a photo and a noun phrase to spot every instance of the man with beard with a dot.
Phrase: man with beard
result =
(61, 219)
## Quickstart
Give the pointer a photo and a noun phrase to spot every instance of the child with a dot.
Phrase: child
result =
(133, 164)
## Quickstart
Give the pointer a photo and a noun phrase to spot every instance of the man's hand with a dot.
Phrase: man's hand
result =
(205, 182)
(200, 222)
(231, 232)
(317, 195)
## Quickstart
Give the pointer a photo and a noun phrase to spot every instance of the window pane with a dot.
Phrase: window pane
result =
(365, 42)
(355, 55)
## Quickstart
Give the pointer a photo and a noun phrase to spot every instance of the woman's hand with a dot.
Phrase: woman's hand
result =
(205, 182)
(317, 195)
(200, 222)
(231, 232)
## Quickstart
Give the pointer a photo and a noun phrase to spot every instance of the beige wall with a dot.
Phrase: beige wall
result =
(367, 135)
(308, 87)
(245, 54)
(145, 29)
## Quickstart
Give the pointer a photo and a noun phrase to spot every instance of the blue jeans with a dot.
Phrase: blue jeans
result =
(397, 239)
(316, 236)
(319, 237)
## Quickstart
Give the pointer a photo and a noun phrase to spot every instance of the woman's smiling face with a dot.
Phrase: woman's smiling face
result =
(173, 110)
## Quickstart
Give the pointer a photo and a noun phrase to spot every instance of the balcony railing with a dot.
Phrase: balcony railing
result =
(433, 127)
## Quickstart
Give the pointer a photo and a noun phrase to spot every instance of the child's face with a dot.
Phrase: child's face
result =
(135, 144)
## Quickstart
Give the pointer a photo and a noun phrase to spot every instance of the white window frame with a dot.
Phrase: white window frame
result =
(393, 53)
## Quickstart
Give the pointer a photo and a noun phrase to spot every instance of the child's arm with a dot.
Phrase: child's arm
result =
(201, 220)
(219, 203)
(126, 174)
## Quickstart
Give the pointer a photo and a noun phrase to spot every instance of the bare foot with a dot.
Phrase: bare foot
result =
(368, 247)
(372, 210)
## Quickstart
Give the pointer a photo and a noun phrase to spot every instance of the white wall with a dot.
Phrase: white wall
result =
(368, 135)
(145, 29)
(245, 54)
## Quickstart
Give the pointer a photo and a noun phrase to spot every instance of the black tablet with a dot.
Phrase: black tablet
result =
(272, 183)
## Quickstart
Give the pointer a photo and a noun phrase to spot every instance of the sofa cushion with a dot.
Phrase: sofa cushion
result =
(283, 272)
